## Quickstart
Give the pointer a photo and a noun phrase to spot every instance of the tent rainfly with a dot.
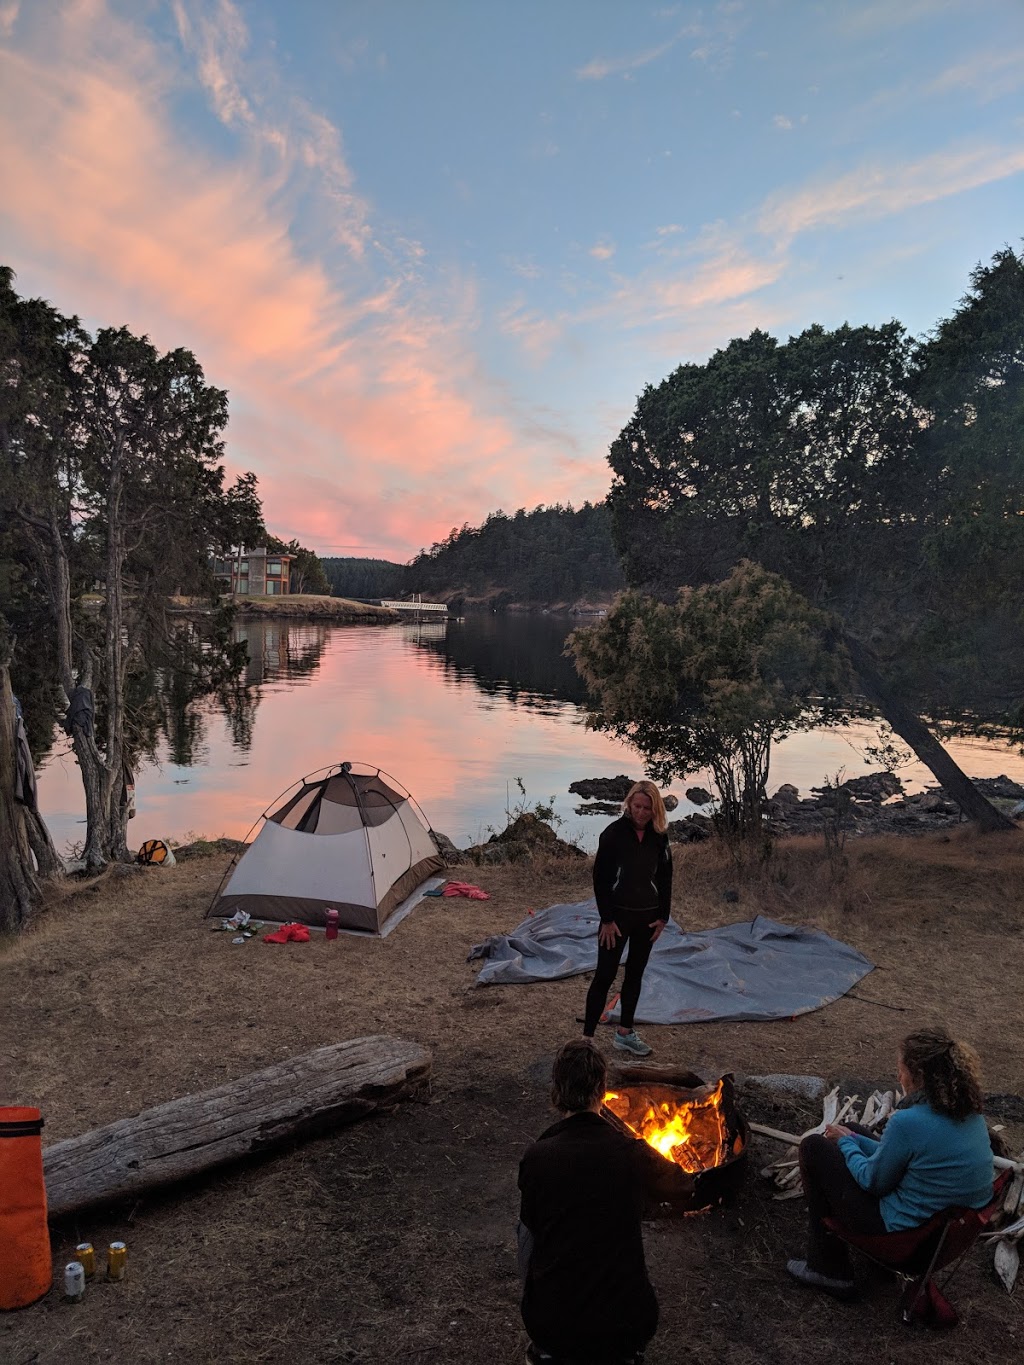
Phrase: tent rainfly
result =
(348, 840)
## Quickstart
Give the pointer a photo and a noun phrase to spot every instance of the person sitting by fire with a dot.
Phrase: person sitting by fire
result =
(633, 889)
(587, 1298)
(935, 1152)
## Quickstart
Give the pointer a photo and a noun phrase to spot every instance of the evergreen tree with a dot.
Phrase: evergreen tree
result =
(883, 478)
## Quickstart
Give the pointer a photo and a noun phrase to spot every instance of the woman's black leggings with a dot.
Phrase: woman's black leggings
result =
(635, 930)
(832, 1192)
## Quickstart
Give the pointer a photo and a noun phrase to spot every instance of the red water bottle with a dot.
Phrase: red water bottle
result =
(332, 924)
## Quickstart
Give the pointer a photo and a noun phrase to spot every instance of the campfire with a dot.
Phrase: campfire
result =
(696, 1126)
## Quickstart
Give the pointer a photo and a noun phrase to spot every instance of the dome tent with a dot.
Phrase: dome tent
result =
(349, 838)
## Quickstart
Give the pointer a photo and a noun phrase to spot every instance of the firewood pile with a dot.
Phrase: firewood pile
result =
(1006, 1238)
(785, 1171)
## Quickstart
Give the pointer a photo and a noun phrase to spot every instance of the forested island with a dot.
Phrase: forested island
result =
(549, 557)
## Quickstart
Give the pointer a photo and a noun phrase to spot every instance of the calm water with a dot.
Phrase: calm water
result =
(454, 712)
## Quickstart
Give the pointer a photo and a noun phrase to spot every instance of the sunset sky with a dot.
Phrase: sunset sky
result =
(435, 248)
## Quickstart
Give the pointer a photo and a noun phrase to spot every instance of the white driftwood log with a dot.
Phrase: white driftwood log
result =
(301, 1097)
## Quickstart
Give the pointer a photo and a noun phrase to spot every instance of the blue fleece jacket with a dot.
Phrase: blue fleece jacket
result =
(924, 1162)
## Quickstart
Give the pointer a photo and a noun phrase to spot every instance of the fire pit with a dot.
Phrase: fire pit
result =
(695, 1125)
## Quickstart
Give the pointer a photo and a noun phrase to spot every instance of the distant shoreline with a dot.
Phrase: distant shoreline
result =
(298, 607)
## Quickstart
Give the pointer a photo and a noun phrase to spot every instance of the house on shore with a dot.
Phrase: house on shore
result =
(254, 573)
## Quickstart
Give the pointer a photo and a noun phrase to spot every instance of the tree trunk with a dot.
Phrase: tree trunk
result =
(48, 860)
(19, 884)
(53, 562)
(302, 1097)
(114, 816)
(909, 726)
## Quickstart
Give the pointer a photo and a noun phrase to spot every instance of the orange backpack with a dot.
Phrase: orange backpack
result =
(155, 851)
(26, 1268)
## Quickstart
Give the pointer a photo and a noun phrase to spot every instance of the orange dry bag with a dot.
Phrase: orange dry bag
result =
(26, 1269)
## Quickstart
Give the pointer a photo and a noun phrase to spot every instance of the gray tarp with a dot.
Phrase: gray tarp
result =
(756, 970)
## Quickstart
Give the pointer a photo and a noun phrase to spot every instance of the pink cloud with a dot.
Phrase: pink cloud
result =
(879, 190)
(729, 273)
(355, 398)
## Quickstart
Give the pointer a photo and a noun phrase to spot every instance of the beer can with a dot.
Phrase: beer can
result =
(74, 1282)
(85, 1253)
(117, 1256)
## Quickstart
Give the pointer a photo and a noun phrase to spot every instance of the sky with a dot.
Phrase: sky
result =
(434, 249)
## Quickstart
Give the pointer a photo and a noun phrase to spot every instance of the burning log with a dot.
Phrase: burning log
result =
(696, 1127)
(302, 1097)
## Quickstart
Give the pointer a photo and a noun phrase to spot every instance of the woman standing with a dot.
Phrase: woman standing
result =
(935, 1152)
(633, 889)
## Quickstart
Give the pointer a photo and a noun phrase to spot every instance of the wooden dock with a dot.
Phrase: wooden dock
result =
(424, 608)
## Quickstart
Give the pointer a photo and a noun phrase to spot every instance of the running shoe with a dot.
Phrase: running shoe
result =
(632, 1043)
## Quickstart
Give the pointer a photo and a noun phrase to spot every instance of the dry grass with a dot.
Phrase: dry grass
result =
(393, 1239)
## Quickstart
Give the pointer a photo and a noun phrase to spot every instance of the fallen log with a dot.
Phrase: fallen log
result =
(652, 1073)
(302, 1097)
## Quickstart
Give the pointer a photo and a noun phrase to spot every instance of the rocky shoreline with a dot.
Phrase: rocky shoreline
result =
(873, 804)
(861, 806)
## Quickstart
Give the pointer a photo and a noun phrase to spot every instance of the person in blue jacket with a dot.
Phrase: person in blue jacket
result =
(935, 1152)
(633, 890)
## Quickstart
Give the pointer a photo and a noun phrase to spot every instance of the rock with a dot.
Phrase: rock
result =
(999, 786)
(731, 896)
(787, 795)
(525, 829)
(609, 789)
(870, 787)
(698, 796)
(783, 1085)
(208, 848)
(932, 803)
(600, 808)
(602, 788)
(1006, 1108)
(521, 841)
(496, 854)
(693, 829)
(452, 856)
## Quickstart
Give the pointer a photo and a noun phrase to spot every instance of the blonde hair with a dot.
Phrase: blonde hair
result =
(660, 820)
(949, 1071)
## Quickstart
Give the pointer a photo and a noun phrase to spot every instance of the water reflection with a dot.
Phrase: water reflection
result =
(519, 657)
(282, 649)
(455, 712)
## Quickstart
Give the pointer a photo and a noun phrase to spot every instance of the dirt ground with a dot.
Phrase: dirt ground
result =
(393, 1239)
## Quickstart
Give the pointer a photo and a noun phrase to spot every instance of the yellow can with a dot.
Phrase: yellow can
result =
(85, 1253)
(117, 1258)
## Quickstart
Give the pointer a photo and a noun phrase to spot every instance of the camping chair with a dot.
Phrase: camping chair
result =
(915, 1255)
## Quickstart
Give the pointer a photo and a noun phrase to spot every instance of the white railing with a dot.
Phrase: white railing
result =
(437, 607)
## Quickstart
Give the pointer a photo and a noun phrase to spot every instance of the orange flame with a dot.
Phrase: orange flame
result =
(692, 1133)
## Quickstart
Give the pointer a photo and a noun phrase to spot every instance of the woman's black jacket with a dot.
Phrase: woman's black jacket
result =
(631, 873)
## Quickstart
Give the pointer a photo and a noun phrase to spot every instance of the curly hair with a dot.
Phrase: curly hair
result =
(578, 1077)
(660, 817)
(949, 1071)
